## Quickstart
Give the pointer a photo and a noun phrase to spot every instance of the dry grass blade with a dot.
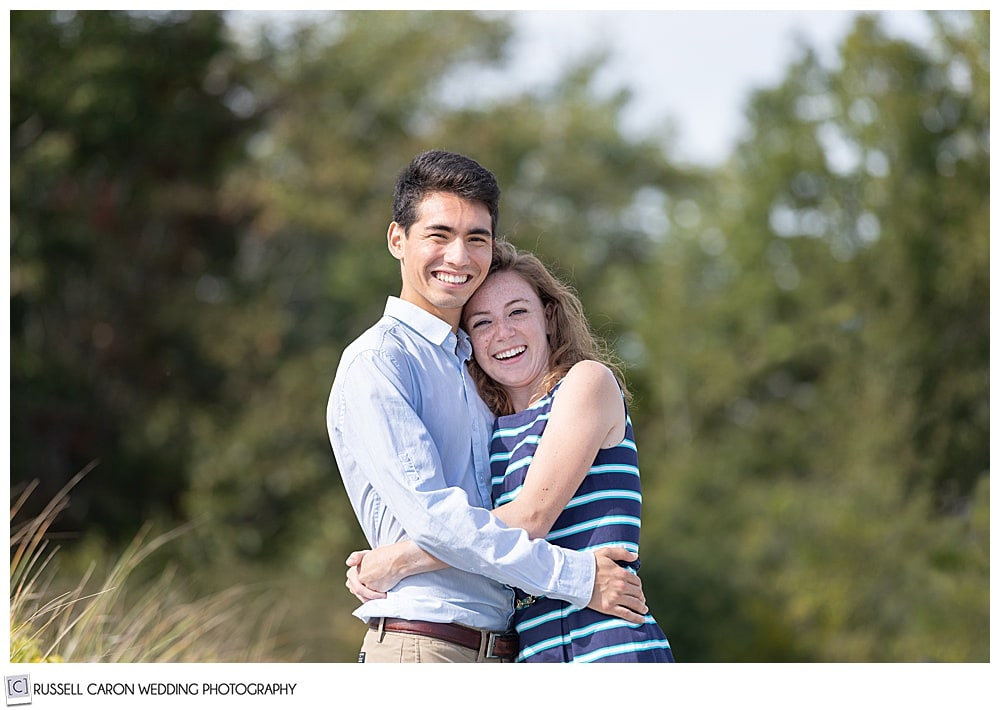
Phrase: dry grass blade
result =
(123, 620)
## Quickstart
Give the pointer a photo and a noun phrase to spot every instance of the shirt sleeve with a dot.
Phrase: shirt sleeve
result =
(378, 434)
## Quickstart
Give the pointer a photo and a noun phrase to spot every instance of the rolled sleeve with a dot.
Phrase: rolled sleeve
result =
(400, 485)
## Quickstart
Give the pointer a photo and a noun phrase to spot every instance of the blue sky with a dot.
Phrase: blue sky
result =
(689, 70)
(693, 70)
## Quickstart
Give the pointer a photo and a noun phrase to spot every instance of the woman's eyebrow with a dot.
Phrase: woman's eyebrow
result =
(506, 305)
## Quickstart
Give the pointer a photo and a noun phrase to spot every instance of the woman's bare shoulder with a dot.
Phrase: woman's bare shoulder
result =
(593, 378)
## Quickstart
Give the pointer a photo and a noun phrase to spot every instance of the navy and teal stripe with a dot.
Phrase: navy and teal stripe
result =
(604, 512)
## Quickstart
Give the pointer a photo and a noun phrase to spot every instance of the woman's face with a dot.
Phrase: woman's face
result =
(509, 330)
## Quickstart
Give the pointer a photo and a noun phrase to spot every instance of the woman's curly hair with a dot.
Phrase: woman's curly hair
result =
(570, 336)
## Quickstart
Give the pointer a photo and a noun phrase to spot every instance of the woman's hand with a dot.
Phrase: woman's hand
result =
(618, 591)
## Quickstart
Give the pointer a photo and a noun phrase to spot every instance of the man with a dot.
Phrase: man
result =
(410, 435)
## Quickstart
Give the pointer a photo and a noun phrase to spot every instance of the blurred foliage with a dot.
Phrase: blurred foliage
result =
(120, 136)
(822, 403)
(115, 619)
(197, 216)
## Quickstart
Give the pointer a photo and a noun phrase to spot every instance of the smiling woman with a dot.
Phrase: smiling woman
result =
(568, 340)
(562, 458)
(411, 440)
(509, 329)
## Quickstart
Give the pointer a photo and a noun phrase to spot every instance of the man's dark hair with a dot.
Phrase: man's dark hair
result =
(441, 171)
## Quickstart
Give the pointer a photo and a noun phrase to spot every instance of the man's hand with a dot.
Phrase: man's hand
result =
(617, 591)
(354, 584)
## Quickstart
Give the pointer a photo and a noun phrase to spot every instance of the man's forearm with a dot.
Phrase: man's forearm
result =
(382, 568)
(411, 559)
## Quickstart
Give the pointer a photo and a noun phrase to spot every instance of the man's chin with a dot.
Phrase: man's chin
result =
(454, 297)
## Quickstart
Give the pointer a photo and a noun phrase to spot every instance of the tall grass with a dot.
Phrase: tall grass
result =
(117, 618)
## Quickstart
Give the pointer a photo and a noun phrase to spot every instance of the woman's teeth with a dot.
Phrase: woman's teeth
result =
(506, 354)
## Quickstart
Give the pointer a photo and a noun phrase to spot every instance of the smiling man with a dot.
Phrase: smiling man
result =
(411, 435)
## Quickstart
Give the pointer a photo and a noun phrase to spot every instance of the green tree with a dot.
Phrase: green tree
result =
(347, 114)
(197, 232)
(122, 126)
(826, 349)
(342, 114)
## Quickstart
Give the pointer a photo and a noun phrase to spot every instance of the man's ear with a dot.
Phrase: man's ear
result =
(394, 238)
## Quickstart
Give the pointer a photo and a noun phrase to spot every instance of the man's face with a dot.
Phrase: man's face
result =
(445, 255)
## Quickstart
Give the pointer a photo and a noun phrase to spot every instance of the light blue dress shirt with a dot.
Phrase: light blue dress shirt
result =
(411, 435)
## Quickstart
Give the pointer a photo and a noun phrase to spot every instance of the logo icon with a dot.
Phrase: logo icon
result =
(18, 689)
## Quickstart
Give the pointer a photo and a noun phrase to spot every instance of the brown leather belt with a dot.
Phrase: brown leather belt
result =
(498, 645)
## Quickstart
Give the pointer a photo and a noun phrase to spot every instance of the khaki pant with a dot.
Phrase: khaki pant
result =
(394, 647)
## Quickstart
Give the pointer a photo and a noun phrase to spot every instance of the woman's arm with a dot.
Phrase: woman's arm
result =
(588, 415)
(563, 458)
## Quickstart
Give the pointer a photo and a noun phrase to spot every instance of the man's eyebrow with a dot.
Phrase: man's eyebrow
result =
(439, 228)
(451, 230)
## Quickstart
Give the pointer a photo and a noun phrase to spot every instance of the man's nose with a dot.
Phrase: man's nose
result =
(457, 253)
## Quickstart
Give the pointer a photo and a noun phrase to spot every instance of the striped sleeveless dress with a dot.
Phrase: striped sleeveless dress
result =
(604, 512)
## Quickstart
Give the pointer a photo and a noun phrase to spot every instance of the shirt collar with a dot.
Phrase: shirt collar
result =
(464, 347)
(428, 326)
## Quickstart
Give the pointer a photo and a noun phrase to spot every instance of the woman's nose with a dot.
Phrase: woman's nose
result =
(504, 328)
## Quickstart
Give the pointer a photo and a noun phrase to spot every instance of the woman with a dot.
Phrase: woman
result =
(562, 457)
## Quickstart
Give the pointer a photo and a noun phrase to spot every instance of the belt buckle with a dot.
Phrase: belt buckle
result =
(491, 642)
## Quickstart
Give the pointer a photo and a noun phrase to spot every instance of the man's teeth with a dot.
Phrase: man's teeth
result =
(510, 353)
(451, 278)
